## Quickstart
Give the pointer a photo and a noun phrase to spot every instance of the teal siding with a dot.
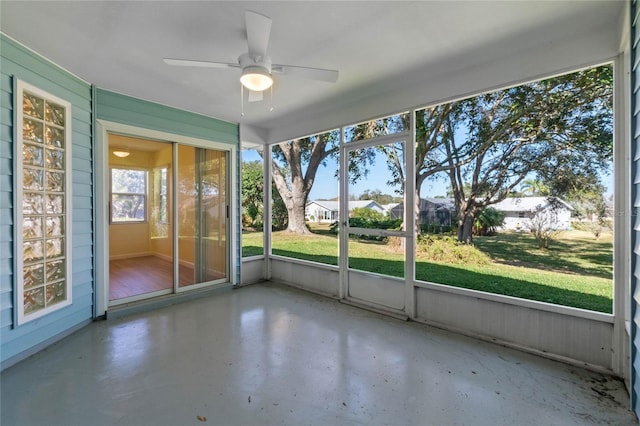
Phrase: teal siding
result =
(136, 112)
(20, 63)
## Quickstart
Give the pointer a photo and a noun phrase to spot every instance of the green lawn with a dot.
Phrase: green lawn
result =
(575, 271)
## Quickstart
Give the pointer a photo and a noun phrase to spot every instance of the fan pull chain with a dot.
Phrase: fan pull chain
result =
(241, 100)
(271, 109)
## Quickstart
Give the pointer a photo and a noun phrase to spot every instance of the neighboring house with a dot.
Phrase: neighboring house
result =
(388, 209)
(322, 211)
(433, 211)
(329, 211)
(519, 211)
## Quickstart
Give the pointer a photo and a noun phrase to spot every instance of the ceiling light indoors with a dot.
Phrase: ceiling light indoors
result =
(256, 78)
(121, 153)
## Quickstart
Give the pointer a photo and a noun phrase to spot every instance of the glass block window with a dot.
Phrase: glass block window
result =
(43, 208)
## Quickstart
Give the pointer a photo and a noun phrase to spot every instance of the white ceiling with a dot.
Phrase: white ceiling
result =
(390, 54)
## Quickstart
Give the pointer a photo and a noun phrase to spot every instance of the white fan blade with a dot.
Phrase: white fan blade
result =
(320, 74)
(258, 30)
(204, 64)
(254, 96)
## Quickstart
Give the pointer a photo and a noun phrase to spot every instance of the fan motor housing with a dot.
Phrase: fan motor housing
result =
(247, 63)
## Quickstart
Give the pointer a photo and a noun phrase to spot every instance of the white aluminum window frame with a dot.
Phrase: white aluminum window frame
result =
(20, 317)
(144, 194)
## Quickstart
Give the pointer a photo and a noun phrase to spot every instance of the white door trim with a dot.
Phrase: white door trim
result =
(103, 128)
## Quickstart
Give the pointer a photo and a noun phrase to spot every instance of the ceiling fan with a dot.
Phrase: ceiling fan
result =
(256, 66)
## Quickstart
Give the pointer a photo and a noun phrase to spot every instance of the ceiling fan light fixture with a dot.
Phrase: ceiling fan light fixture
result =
(121, 153)
(256, 78)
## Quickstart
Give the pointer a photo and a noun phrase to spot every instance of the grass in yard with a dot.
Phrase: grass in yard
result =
(574, 252)
(575, 271)
(578, 291)
(317, 248)
(252, 243)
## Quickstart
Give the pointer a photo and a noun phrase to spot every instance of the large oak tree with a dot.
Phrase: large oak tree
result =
(553, 129)
(294, 166)
(559, 130)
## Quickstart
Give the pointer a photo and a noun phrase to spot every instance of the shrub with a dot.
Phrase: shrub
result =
(360, 222)
(543, 226)
(435, 228)
(367, 213)
(447, 249)
(488, 221)
(596, 228)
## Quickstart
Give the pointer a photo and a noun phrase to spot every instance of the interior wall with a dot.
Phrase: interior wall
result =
(137, 239)
(163, 246)
(129, 239)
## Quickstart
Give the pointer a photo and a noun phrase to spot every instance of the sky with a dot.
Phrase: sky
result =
(326, 184)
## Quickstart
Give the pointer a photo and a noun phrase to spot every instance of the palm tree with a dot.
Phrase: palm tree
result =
(534, 187)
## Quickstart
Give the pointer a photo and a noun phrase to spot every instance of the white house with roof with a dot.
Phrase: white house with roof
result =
(329, 211)
(388, 208)
(519, 211)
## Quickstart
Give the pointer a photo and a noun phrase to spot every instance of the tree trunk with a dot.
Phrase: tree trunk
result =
(465, 228)
(296, 222)
(296, 202)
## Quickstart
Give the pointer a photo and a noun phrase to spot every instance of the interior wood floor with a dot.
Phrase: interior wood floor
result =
(146, 274)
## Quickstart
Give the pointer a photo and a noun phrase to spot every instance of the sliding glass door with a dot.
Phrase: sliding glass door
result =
(168, 228)
(202, 216)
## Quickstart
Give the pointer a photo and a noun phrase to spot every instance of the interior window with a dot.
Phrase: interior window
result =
(128, 195)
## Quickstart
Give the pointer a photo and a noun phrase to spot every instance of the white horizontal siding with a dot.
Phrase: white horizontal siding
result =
(574, 335)
(635, 200)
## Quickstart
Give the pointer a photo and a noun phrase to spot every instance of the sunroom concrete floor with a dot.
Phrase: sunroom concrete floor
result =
(268, 354)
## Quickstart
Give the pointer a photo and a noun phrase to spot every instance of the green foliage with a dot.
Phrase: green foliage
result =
(380, 127)
(385, 223)
(435, 228)
(252, 192)
(363, 222)
(380, 198)
(295, 164)
(575, 253)
(558, 130)
(594, 228)
(447, 249)
(279, 215)
(576, 271)
(534, 187)
(128, 187)
(588, 201)
(367, 214)
(252, 243)
(488, 221)
(543, 226)
(315, 148)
